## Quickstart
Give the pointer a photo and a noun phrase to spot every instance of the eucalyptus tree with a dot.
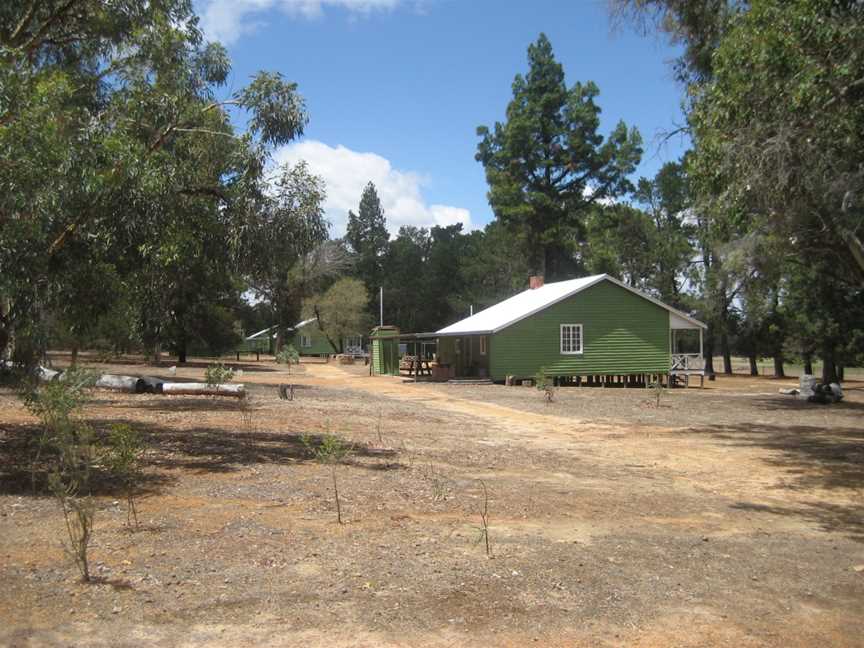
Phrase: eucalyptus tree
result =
(111, 125)
(289, 254)
(341, 311)
(779, 128)
(547, 164)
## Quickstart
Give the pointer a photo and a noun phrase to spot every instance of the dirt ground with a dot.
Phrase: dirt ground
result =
(729, 516)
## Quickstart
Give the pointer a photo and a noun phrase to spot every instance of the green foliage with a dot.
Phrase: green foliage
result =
(368, 238)
(547, 164)
(73, 453)
(779, 128)
(287, 244)
(340, 311)
(329, 450)
(129, 179)
(545, 384)
(126, 449)
(288, 356)
(217, 374)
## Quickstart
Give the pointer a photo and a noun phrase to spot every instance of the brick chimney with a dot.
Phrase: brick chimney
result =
(535, 282)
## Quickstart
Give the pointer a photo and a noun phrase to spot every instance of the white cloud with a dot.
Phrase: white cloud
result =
(227, 20)
(346, 173)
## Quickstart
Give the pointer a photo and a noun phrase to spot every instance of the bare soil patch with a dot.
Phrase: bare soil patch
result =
(728, 516)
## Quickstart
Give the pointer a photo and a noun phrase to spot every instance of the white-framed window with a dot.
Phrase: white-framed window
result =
(353, 344)
(482, 345)
(305, 341)
(571, 338)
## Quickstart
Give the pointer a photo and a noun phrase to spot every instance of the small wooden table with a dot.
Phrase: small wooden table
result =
(422, 366)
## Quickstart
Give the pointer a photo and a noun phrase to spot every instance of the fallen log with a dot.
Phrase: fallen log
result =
(152, 385)
(128, 384)
(47, 375)
(203, 389)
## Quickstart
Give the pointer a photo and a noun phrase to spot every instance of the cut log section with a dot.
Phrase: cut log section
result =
(203, 389)
(152, 385)
(129, 384)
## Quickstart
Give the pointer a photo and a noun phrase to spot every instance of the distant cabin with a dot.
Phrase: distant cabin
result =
(306, 337)
(310, 340)
(589, 327)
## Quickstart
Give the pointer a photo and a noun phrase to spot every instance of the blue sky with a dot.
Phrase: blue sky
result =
(397, 88)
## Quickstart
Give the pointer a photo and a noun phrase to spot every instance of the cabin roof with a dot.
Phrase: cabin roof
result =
(531, 301)
(263, 332)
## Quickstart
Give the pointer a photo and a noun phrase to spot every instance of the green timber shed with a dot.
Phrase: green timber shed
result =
(385, 351)
(592, 326)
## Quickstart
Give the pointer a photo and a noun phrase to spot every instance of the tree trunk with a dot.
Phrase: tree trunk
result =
(5, 332)
(181, 352)
(840, 373)
(829, 369)
(280, 339)
(778, 366)
(727, 353)
(74, 360)
(4, 342)
(708, 351)
(155, 353)
(754, 368)
(808, 364)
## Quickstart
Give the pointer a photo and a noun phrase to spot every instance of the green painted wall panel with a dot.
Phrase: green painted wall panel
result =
(622, 334)
(320, 345)
(385, 351)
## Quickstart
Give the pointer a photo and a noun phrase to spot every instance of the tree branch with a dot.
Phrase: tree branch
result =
(37, 39)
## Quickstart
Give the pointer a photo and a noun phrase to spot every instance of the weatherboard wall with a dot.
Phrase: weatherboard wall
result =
(622, 334)
(320, 344)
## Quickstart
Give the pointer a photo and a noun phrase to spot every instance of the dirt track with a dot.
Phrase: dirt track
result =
(722, 518)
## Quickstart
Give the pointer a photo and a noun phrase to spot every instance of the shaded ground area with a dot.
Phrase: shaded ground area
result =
(728, 516)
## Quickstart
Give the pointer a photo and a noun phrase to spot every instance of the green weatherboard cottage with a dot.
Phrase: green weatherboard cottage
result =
(593, 326)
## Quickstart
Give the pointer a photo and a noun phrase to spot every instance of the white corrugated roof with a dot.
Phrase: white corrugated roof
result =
(528, 302)
(304, 323)
(296, 326)
(260, 333)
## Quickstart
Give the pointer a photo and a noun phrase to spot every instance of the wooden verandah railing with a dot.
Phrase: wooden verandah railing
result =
(685, 365)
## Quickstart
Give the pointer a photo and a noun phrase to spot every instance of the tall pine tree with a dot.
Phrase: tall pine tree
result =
(547, 164)
(368, 238)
